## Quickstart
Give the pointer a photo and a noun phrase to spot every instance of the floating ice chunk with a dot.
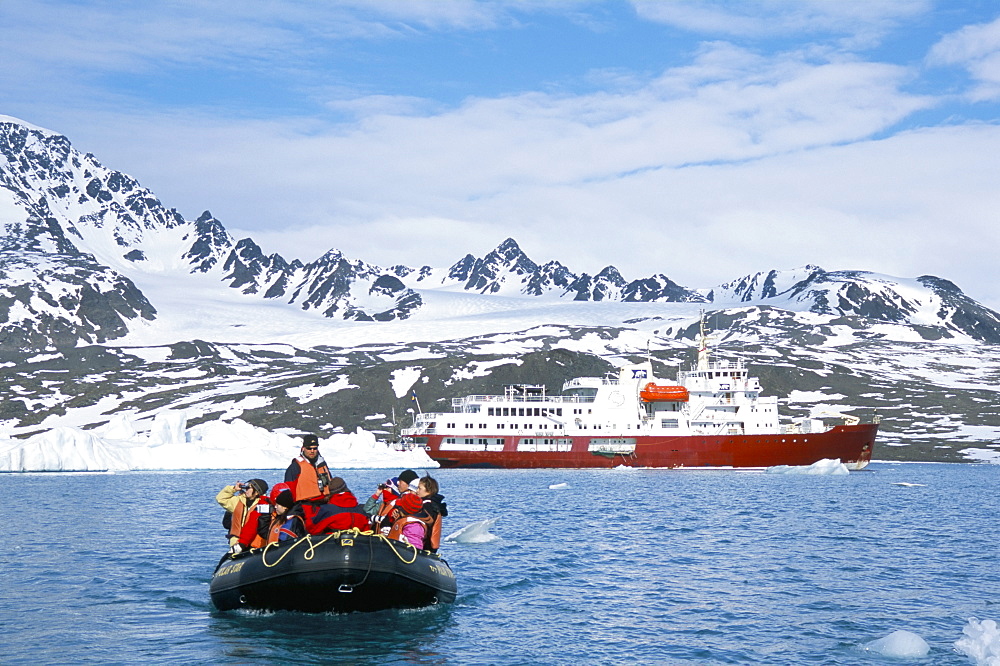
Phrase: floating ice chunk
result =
(909, 485)
(559, 486)
(981, 642)
(899, 644)
(827, 466)
(475, 533)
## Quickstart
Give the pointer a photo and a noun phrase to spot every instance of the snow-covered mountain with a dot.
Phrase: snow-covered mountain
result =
(82, 242)
(112, 304)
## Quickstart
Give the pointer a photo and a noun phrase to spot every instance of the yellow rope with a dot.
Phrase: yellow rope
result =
(392, 545)
(354, 532)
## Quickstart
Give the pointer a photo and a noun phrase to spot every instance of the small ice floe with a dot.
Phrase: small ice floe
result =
(827, 466)
(980, 642)
(900, 644)
(909, 485)
(559, 486)
(474, 533)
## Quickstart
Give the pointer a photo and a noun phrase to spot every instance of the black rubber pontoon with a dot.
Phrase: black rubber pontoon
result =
(341, 572)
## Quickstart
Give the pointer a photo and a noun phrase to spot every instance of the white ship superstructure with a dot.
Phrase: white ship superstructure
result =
(713, 414)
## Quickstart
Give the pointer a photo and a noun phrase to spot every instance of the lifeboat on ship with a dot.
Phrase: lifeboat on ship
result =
(653, 392)
(340, 572)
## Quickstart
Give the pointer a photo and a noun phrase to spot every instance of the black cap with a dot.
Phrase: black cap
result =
(285, 499)
(407, 475)
(260, 485)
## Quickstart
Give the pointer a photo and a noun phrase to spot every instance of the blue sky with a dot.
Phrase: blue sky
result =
(702, 140)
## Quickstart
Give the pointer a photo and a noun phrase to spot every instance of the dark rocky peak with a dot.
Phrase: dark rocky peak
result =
(549, 276)
(462, 269)
(399, 271)
(52, 180)
(767, 284)
(247, 268)
(486, 275)
(605, 285)
(961, 312)
(940, 285)
(660, 288)
(211, 243)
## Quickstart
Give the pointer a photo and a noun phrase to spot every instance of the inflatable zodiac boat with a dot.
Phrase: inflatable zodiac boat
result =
(340, 572)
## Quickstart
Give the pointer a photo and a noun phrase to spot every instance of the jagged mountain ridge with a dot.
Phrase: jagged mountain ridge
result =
(78, 218)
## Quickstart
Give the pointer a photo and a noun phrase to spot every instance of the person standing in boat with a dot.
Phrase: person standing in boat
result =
(434, 510)
(308, 475)
(241, 501)
(406, 525)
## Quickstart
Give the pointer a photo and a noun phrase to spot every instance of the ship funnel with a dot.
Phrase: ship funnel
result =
(636, 371)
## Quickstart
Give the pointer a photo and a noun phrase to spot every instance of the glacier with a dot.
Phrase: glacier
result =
(169, 444)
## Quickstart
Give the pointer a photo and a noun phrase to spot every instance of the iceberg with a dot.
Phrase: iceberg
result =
(170, 445)
(478, 532)
(980, 642)
(827, 466)
(899, 644)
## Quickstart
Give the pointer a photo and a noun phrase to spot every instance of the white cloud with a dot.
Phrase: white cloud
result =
(977, 48)
(768, 18)
(731, 162)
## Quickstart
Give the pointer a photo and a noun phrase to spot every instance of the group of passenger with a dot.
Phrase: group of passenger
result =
(311, 501)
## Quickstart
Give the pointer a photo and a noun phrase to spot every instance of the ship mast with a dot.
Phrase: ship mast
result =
(703, 344)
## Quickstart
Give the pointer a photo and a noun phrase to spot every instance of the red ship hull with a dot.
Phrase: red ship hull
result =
(852, 444)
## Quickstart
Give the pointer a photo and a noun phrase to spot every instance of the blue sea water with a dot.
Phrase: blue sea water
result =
(617, 566)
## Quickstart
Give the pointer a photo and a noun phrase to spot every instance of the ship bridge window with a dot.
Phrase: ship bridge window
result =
(580, 394)
(472, 409)
(670, 423)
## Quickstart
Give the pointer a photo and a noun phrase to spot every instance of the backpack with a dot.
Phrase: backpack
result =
(227, 521)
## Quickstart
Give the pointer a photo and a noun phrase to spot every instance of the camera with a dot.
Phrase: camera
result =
(382, 486)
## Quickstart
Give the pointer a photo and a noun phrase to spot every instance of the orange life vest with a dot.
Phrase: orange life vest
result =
(432, 540)
(396, 531)
(240, 514)
(307, 486)
(274, 531)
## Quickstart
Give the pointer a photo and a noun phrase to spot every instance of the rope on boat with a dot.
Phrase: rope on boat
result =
(354, 532)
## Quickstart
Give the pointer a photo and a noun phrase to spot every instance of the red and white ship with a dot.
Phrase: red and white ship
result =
(712, 416)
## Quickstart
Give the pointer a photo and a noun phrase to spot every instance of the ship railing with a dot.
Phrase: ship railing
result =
(589, 382)
(411, 432)
(738, 364)
(458, 403)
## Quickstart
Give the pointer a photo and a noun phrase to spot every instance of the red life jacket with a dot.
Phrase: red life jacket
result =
(307, 485)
